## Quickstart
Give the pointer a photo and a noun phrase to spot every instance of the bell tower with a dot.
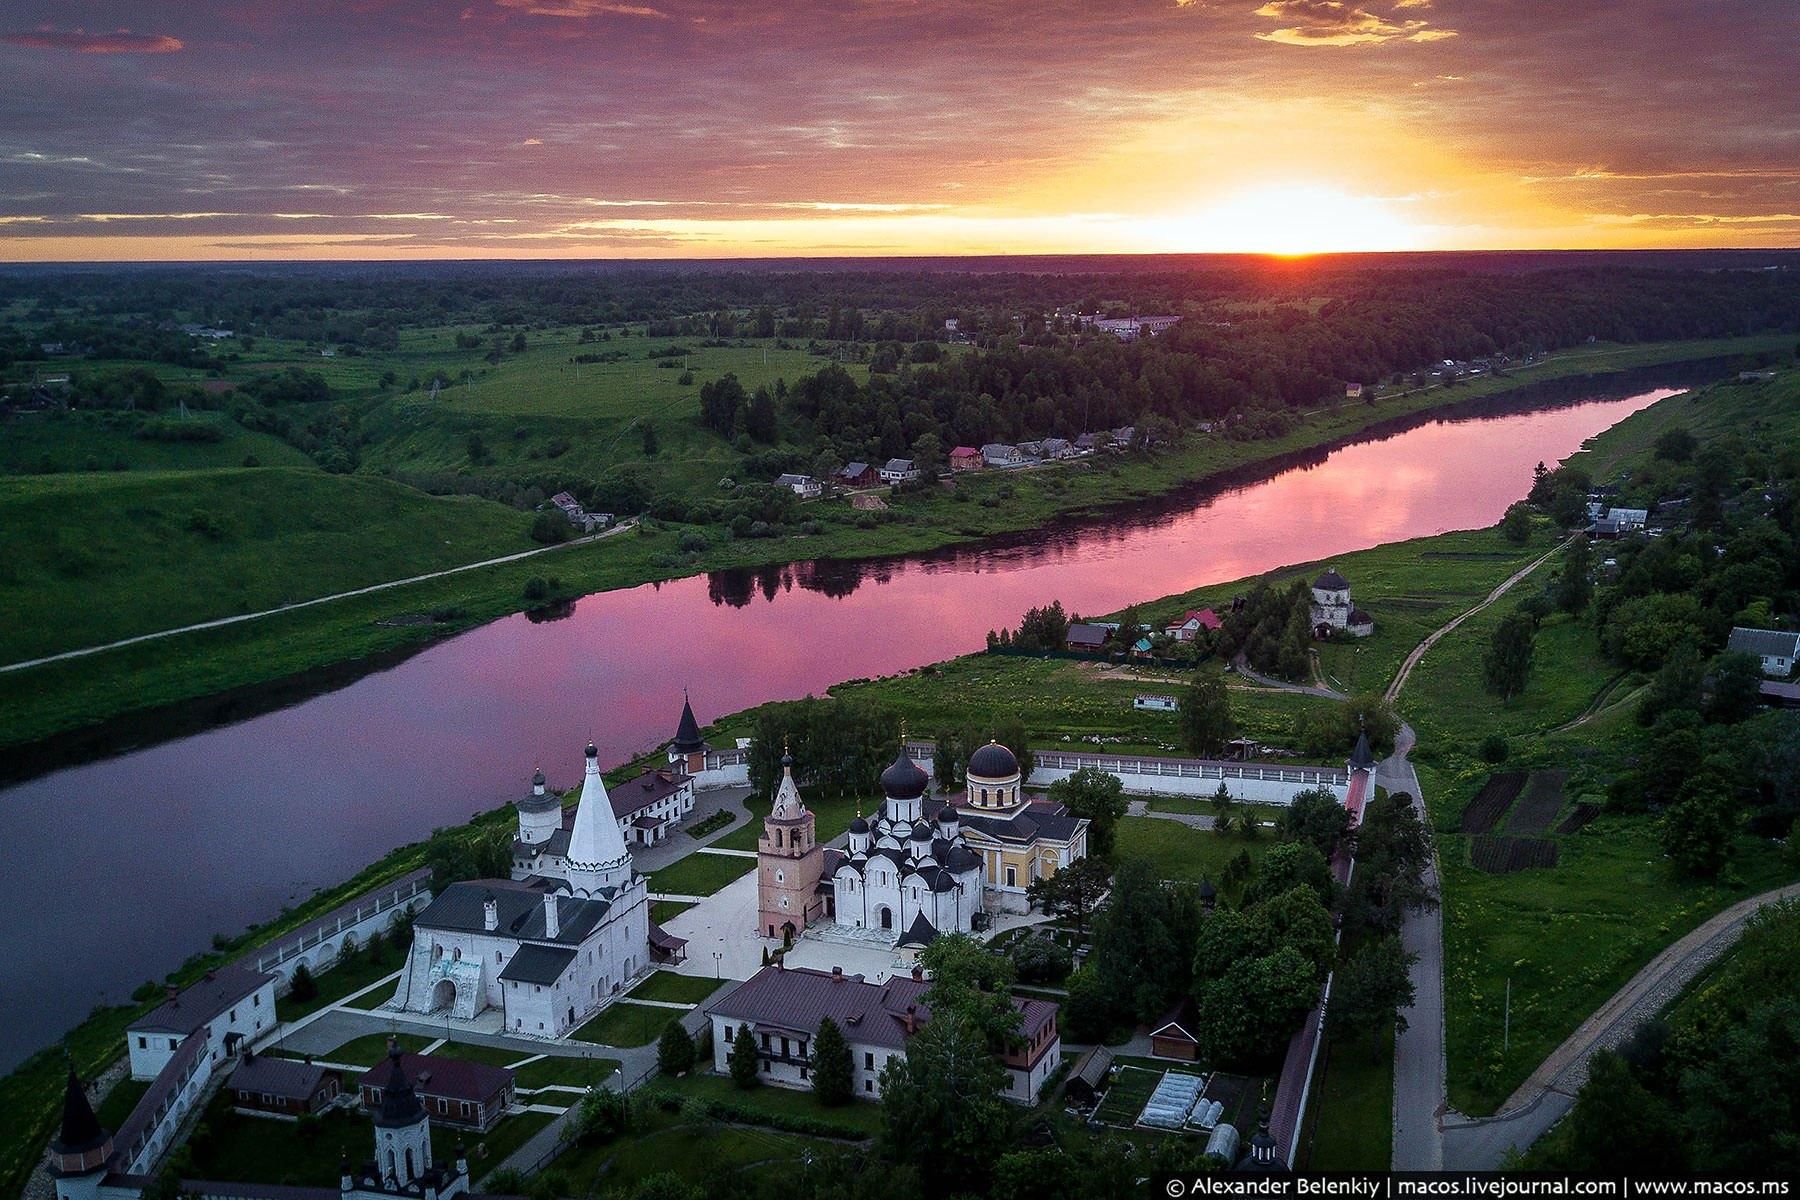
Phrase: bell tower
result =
(789, 863)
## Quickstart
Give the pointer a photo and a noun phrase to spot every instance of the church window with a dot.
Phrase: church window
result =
(409, 1162)
(780, 876)
(499, 956)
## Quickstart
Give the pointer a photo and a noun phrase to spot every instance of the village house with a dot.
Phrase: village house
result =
(1032, 449)
(899, 470)
(282, 1087)
(1057, 448)
(1087, 637)
(227, 1006)
(1192, 622)
(858, 475)
(1000, 454)
(803, 486)
(578, 516)
(1353, 391)
(1089, 442)
(1156, 704)
(454, 1091)
(783, 1009)
(965, 458)
(1776, 649)
(1124, 436)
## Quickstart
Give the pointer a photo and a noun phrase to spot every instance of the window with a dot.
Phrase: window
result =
(256, 1001)
(499, 956)
(173, 1044)
(232, 1016)
(868, 1061)
(143, 1043)
(868, 1085)
(1012, 877)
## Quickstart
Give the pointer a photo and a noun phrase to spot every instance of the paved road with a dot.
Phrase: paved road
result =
(269, 612)
(1419, 1051)
(1543, 1099)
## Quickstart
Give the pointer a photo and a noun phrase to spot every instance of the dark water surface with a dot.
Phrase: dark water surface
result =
(114, 871)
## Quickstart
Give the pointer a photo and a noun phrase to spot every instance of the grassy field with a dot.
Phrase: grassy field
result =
(623, 1023)
(1568, 936)
(86, 559)
(344, 979)
(88, 691)
(859, 1118)
(698, 1152)
(1179, 852)
(676, 989)
(1352, 1119)
(700, 874)
(575, 1072)
(112, 441)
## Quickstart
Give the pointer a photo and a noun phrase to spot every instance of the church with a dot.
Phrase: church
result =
(919, 866)
(548, 947)
(1333, 611)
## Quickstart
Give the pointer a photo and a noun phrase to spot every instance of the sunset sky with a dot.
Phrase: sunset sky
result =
(698, 128)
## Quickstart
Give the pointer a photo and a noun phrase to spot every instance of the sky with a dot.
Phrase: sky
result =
(357, 129)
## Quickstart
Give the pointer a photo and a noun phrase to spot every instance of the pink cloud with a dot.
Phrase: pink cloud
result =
(119, 41)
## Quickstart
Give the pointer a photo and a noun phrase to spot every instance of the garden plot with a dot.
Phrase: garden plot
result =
(1125, 1099)
(1538, 804)
(1499, 855)
(1492, 801)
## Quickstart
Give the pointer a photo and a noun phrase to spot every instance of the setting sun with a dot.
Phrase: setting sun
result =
(1289, 220)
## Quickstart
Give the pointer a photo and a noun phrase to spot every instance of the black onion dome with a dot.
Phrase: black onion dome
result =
(1331, 581)
(993, 761)
(904, 780)
(592, 751)
(948, 815)
(537, 778)
(860, 825)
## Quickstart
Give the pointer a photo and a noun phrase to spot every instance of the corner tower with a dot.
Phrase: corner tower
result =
(81, 1149)
(789, 863)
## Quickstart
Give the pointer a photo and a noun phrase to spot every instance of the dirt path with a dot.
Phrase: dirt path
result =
(287, 608)
(1436, 635)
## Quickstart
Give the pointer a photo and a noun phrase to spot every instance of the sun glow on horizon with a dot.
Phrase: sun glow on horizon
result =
(1289, 220)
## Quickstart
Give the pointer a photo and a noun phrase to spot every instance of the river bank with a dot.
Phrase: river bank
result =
(74, 702)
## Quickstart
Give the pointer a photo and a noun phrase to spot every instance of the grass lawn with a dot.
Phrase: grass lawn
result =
(365, 1051)
(344, 979)
(662, 910)
(857, 1118)
(695, 1152)
(1178, 852)
(679, 989)
(576, 1072)
(623, 1023)
(110, 441)
(1351, 1125)
(1125, 1099)
(700, 874)
(493, 1056)
(119, 1102)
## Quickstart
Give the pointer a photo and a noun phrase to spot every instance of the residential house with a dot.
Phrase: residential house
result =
(1776, 648)
(1089, 442)
(965, 458)
(803, 486)
(1762, 376)
(283, 1087)
(224, 1008)
(456, 1091)
(649, 806)
(899, 470)
(1032, 449)
(784, 1007)
(1087, 637)
(1124, 436)
(1192, 622)
(578, 516)
(1057, 448)
(1353, 391)
(1156, 704)
(1000, 454)
(858, 475)
(1628, 520)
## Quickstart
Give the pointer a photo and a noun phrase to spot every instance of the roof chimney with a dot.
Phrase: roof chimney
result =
(490, 913)
(837, 974)
(918, 972)
(552, 926)
(912, 1018)
(172, 993)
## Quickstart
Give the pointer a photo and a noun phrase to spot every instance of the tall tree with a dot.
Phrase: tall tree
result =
(1206, 720)
(1316, 818)
(1371, 993)
(832, 1069)
(1698, 831)
(1507, 665)
(970, 981)
(1098, 796)
(1574, 582)
(675, 1050)
(744, 1061)
(1073, 891)
(941, 1107)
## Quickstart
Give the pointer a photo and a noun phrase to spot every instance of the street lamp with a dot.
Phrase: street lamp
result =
(718, 970)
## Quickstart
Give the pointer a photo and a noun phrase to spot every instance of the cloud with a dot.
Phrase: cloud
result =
(581, 8)
(119, 41)
(1337, 23)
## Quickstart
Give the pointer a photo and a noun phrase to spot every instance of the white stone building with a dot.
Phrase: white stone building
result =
(227, 1006)
(1333, 610)
(549, 947)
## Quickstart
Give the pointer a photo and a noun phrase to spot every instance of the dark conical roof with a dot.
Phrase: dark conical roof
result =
(1362, 758)
(81, 1130)
(904, 780)
(919, 933)
(993, 761)
(687, 732)
(399, 1102)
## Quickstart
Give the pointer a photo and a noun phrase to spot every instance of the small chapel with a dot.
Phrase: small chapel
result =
(1334, 612)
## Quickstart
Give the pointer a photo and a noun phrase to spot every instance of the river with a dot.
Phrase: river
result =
(115, 871)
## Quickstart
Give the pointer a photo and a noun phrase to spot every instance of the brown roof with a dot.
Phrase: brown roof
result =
(635, 795)
(799, 999)
(434, 1075)
(287, 1078)
(202, 1000)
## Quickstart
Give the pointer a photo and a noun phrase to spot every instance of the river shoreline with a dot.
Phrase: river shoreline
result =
(149, 725)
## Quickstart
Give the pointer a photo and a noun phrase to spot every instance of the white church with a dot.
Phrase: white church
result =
(1334, 612)
(550, 946)
(903, 874)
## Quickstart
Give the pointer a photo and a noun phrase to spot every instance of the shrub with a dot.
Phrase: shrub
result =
(1041, 959)
(1493, 748)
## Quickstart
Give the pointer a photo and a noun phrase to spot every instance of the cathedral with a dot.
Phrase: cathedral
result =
(919, 866)
(550, 946)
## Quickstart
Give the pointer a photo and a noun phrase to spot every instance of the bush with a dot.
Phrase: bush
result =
(536, 589)
(550, 527)
(1041, 959)
(1493, 749)
(303, 986)
(675, 1050)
